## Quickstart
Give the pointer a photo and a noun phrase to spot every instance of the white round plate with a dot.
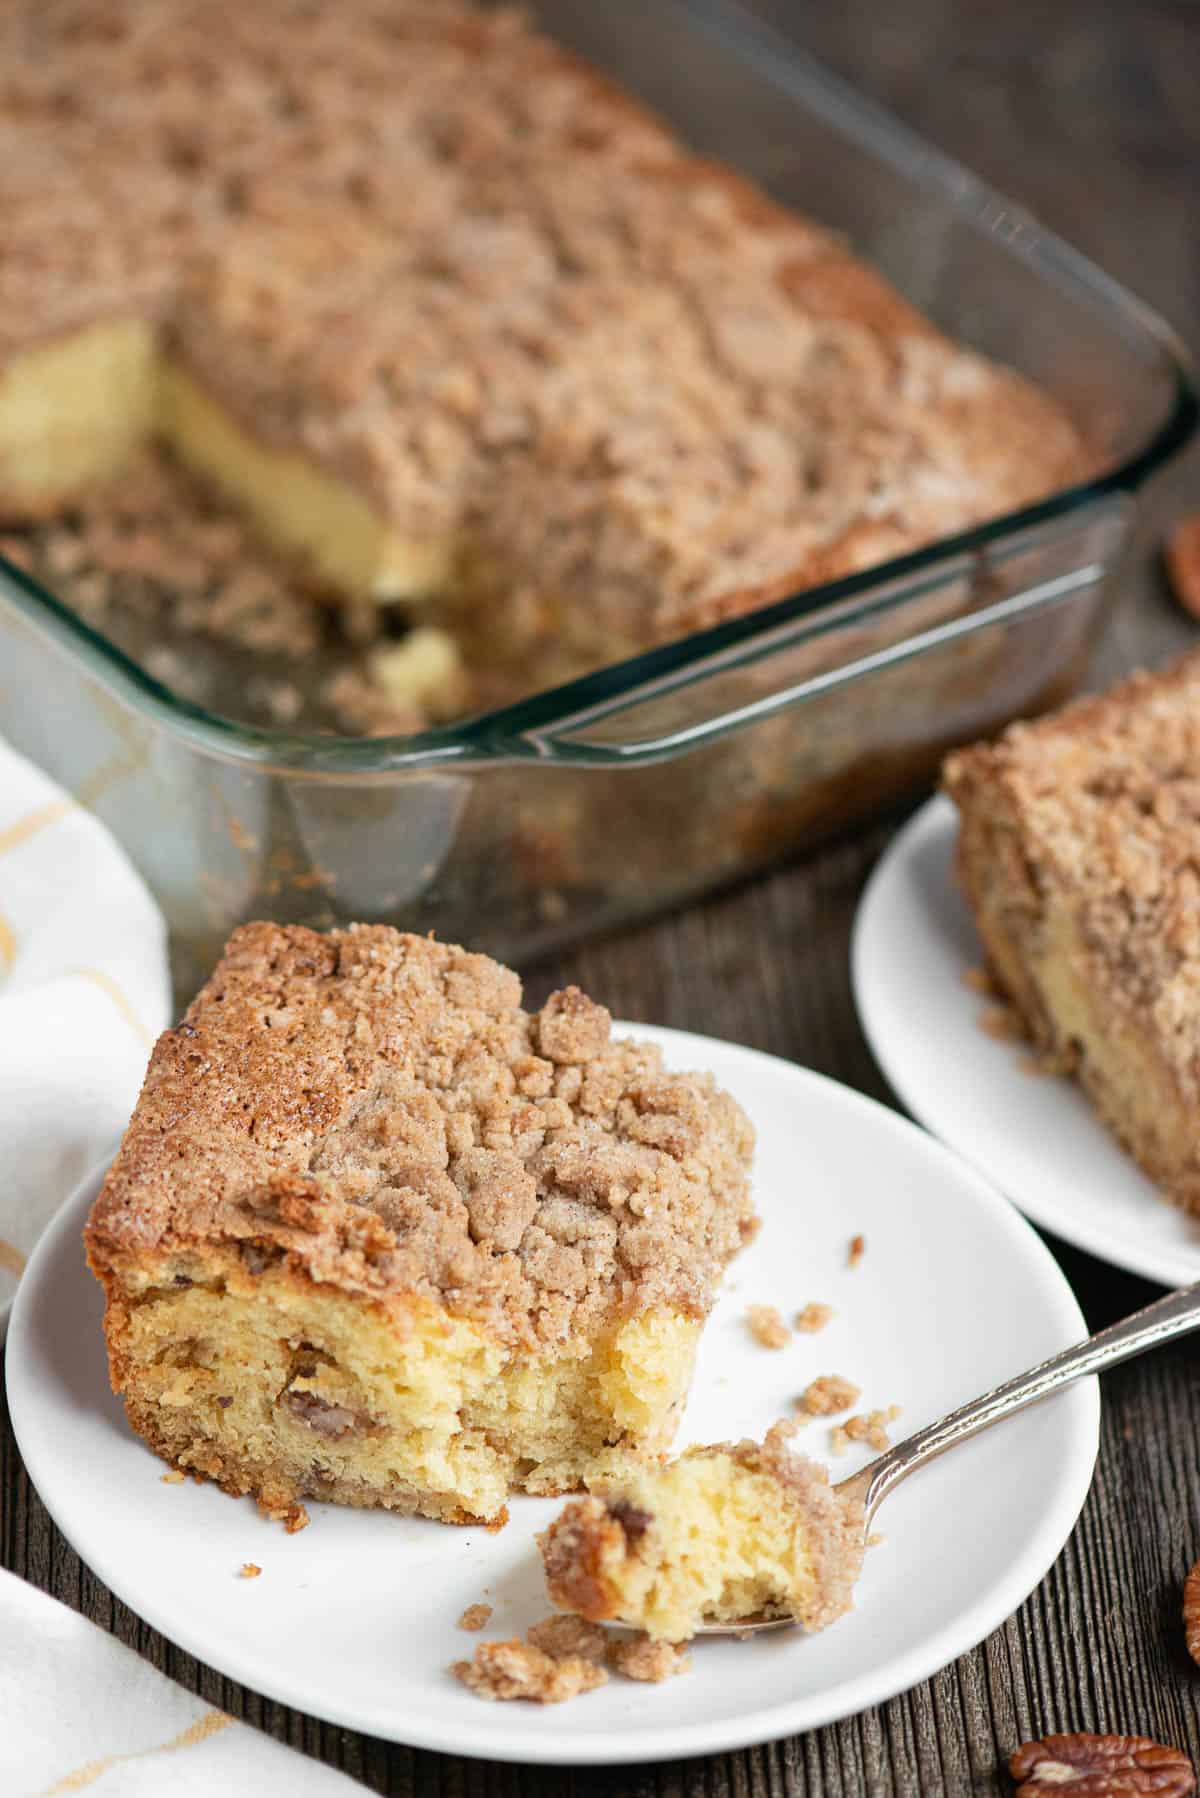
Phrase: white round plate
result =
(1035, 1135)
(354, 1619)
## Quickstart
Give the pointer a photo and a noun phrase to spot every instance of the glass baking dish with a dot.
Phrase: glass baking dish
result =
(654, 779)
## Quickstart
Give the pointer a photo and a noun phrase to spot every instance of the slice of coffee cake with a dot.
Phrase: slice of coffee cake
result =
(377, 1235)
(1079, 854)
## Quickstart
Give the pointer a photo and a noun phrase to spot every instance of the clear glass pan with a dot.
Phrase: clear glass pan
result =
(658, 777)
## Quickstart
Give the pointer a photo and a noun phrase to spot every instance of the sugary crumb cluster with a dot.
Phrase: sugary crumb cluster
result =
(767, 1327)
(826, 1394)
(564, 1656)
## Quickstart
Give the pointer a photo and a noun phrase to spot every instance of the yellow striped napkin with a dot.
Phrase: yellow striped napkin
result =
(83, 994)
(84, 1713)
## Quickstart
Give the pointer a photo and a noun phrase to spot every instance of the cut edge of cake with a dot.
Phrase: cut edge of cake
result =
(322, 1282)
(1077, 854)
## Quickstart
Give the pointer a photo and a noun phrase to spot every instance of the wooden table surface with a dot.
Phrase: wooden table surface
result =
(1089, 115)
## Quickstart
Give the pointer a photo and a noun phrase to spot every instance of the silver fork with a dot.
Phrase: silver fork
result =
(1160, 1322)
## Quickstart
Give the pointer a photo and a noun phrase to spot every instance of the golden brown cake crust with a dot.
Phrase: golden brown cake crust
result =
(441, 257)
(377, 1109)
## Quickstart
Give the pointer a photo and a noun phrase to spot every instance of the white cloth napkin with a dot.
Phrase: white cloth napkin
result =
(84, 992)
(82, 1711)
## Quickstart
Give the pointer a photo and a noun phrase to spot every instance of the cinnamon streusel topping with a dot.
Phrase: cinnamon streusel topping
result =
(378, 1109)
(433, 252)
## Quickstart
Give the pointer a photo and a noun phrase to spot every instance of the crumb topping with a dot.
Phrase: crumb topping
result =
(813, 1318)
(564, 1637)
(828, 1393)
(872, 1428)
(475, 1616)
(1105, 796)
(440, 256)
(767, 1327)
(378, 1109)
(516, 1670)
(641, 1657)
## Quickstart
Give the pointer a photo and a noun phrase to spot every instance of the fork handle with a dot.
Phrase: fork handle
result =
(1162, 1321)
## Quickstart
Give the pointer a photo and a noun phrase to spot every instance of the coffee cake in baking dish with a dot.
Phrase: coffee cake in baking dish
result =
(1079, 853)
(460, 326)
(377, 1235)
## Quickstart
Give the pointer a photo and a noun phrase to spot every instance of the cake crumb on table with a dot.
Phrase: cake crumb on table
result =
(640, 1657)
(516, 1670)
(475, 1616)
(249, 1570)
(828, 1393)
(856, 1251)
(173, 1478)
(839, 1442)
(767, 1326)
(563, 1637)
(813, 1317)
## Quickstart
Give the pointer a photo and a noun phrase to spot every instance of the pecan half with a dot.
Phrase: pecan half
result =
(333, 1421)
(1191, 1612)
(1183, 563)
(1100, 1767)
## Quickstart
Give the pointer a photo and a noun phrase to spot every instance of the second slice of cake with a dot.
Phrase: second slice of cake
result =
(1079, 853)
(377, 1235)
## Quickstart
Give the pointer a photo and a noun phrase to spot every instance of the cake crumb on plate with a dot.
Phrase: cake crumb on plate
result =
(828, 1393)
(515, 1670)
(872, 1428)
(563, 1636)
(767, 1326)
(640, 1657)
(475, 1616)
(813, 1317)
(856, 1251)
(249, 1570)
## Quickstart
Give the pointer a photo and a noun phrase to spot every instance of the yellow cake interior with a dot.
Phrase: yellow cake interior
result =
(281, 1386)
(73, 412)
(295, 507)
(1046, 964)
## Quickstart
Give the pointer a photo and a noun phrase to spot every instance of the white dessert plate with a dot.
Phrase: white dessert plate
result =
(354, 1619)
(1034, 1135)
